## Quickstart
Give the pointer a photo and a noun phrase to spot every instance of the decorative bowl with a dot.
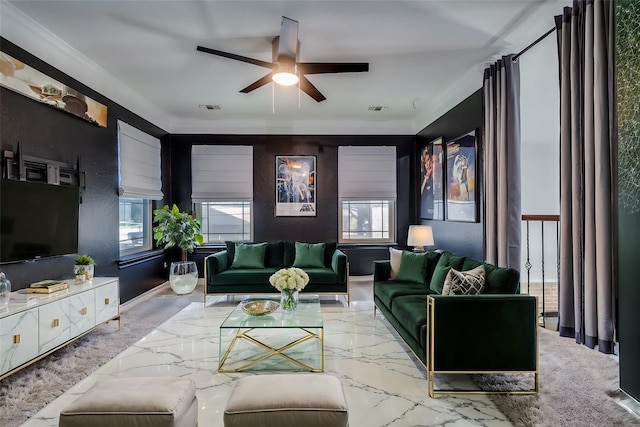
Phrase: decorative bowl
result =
(260, 307)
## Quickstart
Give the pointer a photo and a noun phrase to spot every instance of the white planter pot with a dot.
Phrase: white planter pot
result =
(183, 277)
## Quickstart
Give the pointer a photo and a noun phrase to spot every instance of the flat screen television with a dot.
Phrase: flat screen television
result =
(37, 220)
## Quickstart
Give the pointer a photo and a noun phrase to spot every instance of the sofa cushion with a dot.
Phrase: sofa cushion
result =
(498, 280)
(329, 249)
(446, 262)
(395, 255)
(325, 276)
(469, 282)
(413, 267)
(274, 255)
(386, 291)
(411, 312)
(309, 255)
(249, 256)
(241, 276)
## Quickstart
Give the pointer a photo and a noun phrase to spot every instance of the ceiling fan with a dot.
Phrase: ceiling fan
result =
(285, 68)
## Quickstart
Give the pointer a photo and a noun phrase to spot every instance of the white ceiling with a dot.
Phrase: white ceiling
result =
(424, 56)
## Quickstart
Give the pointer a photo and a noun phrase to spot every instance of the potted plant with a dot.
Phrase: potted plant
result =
(84, 266)
(179, 229)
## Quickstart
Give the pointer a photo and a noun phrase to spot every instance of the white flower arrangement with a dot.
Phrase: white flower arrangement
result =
(289, 279)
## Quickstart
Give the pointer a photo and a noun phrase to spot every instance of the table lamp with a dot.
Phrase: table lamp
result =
(420, 236)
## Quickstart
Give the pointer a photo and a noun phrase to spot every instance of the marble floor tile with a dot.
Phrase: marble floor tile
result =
(384, 385)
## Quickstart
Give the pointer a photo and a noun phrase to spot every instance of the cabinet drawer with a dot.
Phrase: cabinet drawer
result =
(107, 302)
(53, 324)
(18, 339)
(82, 312)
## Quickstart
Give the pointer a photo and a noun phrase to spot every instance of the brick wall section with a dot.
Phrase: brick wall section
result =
(550, 295)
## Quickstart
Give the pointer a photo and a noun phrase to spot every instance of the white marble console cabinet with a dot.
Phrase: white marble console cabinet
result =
(35, 325)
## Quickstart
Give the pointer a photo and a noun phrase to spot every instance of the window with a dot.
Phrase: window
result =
(367, 194)
(140, 175)
(364, 221)
(135, 225)
(222, 191)
(222, 221)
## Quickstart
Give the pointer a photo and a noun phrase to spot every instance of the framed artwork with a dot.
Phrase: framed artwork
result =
(431, 181)
(296, 186)
(461, 179)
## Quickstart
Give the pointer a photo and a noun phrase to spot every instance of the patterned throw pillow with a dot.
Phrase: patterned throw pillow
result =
(469, 282)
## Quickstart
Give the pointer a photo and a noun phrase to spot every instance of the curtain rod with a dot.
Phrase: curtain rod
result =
(538, 40)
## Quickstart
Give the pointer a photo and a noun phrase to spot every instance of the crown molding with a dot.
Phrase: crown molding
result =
(23, 31)
(294, 127)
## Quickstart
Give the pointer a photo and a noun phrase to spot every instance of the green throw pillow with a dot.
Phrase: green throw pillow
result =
(249, 256)
(309, 255)
(446, 262)
(413, 267)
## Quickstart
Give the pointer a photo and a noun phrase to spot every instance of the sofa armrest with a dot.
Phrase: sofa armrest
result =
(381, 270)
(216, 263)
(339, 265)
(479, 333)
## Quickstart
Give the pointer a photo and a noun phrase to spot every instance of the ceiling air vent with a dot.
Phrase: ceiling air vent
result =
(211, 106)
(377, 108)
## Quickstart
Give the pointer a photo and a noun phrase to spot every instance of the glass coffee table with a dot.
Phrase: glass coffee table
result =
(273, 342)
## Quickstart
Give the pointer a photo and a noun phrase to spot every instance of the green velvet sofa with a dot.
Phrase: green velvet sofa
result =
(327, 267)
(494, 331)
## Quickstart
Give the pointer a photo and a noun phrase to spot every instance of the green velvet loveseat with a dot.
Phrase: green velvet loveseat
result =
(494, 331)
(244, 269)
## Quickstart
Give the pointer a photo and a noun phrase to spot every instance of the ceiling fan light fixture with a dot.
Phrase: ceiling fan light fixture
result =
(286, 75)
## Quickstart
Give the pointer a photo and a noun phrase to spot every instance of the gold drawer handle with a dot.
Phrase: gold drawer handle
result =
(84, 311)
(55, 323)
(16, 339)
(106, 301)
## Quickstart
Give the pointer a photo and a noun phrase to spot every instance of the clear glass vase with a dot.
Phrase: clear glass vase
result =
(183, 277)
(5, 291)
(289, 299)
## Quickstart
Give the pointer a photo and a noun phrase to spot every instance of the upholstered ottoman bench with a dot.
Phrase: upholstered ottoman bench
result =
(140, 401)
(309, 400)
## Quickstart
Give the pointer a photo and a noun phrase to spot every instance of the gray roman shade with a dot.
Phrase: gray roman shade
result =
(140, 168)
(221, 173)
(367, 173)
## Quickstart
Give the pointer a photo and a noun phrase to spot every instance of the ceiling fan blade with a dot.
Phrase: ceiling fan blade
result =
(310, 89)
(236, 57)
(332, 67)
(288, 41)
(258, 83)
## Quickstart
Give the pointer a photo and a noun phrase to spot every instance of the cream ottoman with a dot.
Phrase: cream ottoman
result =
(141, 401)
(287, 400)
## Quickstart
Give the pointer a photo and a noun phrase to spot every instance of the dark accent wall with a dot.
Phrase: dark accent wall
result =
(628, 91)
(53, 134)
(461, 238)
(324, 226)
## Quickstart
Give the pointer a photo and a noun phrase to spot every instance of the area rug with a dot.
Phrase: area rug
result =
(26, 392)
(578, 387)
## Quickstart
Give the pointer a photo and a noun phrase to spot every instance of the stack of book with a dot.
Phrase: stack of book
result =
(47, 286)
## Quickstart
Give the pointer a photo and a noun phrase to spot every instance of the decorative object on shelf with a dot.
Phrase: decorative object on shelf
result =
(84, 267)
(179, 229)
(5, 290)
(420, 236)
(289, 281)
(47, 286)
(296, 186)
(20, 78)
(260, 307)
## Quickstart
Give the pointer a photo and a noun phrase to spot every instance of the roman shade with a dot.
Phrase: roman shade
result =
(221, 173)
(140, 168)
(367, 173)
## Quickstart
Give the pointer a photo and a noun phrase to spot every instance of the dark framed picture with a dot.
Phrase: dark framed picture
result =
(461, 178)
(431, 180)
(296, 186)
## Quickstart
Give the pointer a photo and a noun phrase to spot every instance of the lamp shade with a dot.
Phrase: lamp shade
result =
(420, 236)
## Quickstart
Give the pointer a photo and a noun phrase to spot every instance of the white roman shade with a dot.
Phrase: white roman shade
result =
(221, 173)
(366, 173)
(140, 168)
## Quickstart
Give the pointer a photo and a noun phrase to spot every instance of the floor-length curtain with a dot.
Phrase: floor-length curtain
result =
(586, 304)
(501, 163)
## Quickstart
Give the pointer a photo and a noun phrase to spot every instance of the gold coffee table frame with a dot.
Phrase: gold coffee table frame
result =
(307, 318)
